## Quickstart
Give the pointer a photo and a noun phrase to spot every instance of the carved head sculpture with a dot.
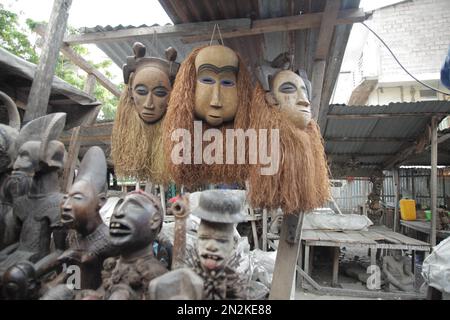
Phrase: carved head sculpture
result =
(150, 81)
(213, 88)
(19, 282)
(281, 101)
(8, 133)
(80, 207)
(216, 95)
(136, 137)
(218, 210)
(39, 151)
(289, 91)
(136, 222)
(291, 94)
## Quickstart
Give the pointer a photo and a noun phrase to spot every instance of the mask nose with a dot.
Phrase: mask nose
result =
(149, 103)
(211, 247)
(216, 101)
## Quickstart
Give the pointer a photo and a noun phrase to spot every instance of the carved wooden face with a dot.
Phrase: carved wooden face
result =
(290, 92)
(215, 244)
(216, 95)
(80, 206)
(135, 223)
(150, 91)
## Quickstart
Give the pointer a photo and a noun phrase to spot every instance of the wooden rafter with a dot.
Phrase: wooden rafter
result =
(83, 64)
(230, 28)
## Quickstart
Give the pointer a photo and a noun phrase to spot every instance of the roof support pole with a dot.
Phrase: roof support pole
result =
(433, 180)
(42, 83)
(397, 199)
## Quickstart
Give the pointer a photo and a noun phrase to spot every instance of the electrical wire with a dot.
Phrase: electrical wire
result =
(399, 63)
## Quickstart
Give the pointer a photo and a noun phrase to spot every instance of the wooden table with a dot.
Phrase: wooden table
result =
(423, 226)
(374, 239)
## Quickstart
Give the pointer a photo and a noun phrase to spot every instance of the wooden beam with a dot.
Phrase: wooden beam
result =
(43, 79)
(230, 28)
(396, 180)
(89, 88)
(83, 64)
(72, 157)
(329, 18)
(433, 180)
(415, 148)
(178, 30)
(386, 115)
(287, 256)
(318, 74)
(328, 22)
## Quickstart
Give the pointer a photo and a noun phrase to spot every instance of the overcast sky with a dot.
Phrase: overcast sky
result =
(90, 13)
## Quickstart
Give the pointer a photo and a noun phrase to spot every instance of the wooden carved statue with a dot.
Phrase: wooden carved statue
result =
(282, 101)
(136, 137)
(212, 91)
(133, 228)
(80, 212)
(214, 260)
(36, 214)
(8, 136)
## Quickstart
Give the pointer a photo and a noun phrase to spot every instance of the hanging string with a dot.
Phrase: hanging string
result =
(216, 26)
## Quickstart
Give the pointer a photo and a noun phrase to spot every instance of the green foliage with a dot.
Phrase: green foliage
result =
(15, 39)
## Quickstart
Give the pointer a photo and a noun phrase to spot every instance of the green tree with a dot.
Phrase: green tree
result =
(15, 38)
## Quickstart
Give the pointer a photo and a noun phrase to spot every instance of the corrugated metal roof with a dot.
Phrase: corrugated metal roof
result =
(395, 132)
(254, 49)
(16, 76)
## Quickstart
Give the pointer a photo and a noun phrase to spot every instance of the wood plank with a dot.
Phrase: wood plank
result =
(230, 28)
(335, 274)
(286, 261)
(179, 30)
(72, 157)
(290, 23)
(317, 87)
(83, 64)
(433, 180)
(43, 79)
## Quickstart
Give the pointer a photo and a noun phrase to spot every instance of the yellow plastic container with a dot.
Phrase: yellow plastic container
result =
(408, 209)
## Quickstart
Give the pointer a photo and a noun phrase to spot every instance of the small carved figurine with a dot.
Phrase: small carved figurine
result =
(214, 259)
(133, 228)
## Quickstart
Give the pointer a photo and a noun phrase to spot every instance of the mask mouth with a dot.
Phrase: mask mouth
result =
(119, 229)
(67, 218)
(211, 261)
(18, 184)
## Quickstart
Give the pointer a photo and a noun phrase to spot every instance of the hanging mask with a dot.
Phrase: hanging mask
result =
(216, 94)
(150, 82)
(291, 94)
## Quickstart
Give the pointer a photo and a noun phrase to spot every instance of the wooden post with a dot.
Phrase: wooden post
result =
(71, 161)
(43, 79)
(433, 180)
(264, 231)
(163, 198)
(397, 199)
(287, 255)
(334, 281)
(317, 85)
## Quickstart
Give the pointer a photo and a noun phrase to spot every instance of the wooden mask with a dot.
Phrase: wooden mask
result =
(216, 95)
(291, 95)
